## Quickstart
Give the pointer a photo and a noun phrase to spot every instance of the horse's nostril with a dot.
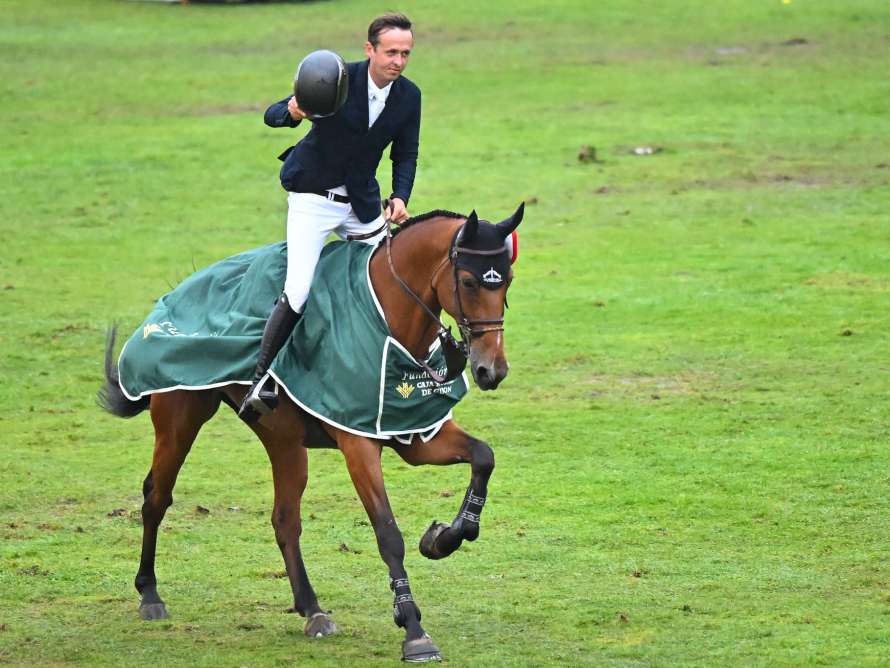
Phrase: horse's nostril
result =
(482, 373)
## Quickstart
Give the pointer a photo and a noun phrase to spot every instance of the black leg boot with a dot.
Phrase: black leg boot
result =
(263, 399)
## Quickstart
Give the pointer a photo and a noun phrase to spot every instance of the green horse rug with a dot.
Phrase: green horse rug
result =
(341, 363)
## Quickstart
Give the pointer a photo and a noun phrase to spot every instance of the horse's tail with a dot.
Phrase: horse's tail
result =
(110, 397)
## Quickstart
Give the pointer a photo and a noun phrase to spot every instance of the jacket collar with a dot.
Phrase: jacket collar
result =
(358, 93)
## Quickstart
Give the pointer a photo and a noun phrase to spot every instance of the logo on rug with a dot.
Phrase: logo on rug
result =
(405, 390)
(491, 276)
(168, 328)
(149, 329)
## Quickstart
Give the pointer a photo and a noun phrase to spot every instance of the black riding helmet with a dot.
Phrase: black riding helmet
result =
(321, 84)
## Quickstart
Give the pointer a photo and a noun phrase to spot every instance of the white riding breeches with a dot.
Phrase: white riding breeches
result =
(310, 219)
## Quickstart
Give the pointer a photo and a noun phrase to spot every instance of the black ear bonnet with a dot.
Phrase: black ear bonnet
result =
(491, 270)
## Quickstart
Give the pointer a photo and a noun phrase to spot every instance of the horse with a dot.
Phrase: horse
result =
(413, 288)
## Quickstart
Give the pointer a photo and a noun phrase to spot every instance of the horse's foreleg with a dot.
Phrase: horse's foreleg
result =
(177, 418)
(452, 445)
(363, 461)
(290, 469)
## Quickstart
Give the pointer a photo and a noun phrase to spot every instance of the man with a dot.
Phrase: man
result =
(330, 179)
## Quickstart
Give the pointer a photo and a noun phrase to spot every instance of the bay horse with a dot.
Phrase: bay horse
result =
(428, 266)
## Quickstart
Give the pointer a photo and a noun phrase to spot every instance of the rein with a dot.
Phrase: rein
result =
(456, 352)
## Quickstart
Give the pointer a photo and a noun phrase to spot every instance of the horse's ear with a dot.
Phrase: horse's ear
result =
(505, 227)
(470, 227)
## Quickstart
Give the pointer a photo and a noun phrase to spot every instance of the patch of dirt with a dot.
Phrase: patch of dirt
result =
(71, 328)
(250, 627)
(587, 153)
(650, 388)
(725, 54)
(841, 280)
(223, 110)
(783, 180)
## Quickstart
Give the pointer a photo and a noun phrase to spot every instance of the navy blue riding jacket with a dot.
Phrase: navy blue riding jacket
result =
(342, 150)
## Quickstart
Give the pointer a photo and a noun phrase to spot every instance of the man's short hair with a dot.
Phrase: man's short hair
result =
(386, 22)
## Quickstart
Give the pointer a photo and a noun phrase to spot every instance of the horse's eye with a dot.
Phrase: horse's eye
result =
(469, 283)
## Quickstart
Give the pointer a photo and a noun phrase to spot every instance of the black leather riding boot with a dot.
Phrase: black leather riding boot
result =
(261, 399)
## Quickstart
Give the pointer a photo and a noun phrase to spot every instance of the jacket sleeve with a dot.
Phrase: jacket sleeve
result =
(404, 157)
(277, 115)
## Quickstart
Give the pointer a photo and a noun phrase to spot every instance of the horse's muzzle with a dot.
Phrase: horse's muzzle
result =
(488, 377)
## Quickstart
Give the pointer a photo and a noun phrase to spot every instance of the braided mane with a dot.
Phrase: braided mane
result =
(438, 213)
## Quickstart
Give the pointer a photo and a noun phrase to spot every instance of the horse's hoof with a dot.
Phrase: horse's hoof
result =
(420, 650)
(320, 625)
(428, 541)
(151, 611)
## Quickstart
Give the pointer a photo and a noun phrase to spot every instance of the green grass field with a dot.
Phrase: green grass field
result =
(692, 444)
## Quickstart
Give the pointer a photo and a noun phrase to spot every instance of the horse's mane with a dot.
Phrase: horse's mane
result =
(438, 213)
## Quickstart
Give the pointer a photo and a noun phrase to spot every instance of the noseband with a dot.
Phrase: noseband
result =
(456, 352)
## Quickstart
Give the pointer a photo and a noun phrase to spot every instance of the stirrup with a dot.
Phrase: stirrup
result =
(259, 401)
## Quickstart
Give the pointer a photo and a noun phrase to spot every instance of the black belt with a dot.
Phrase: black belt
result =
(334, 197)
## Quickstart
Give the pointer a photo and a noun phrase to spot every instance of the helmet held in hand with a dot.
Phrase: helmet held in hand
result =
(321, 84)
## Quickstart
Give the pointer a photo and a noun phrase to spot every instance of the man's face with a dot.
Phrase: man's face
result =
(390, 57)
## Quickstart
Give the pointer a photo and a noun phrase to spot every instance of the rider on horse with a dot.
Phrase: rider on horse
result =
(330, 178)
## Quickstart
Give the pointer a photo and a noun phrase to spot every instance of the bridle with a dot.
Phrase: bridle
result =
(468, 328)
(456, 352)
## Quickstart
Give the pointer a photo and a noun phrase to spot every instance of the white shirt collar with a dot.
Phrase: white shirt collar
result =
(378, 93)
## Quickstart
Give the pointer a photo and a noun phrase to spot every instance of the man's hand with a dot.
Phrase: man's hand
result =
(396, 211)
(295, 112)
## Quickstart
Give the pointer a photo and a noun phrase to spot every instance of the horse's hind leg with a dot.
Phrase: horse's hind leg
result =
(452, 445)
(282, 439)
(177, 418)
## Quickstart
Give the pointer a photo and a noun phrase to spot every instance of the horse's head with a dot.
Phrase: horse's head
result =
(476, 292)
